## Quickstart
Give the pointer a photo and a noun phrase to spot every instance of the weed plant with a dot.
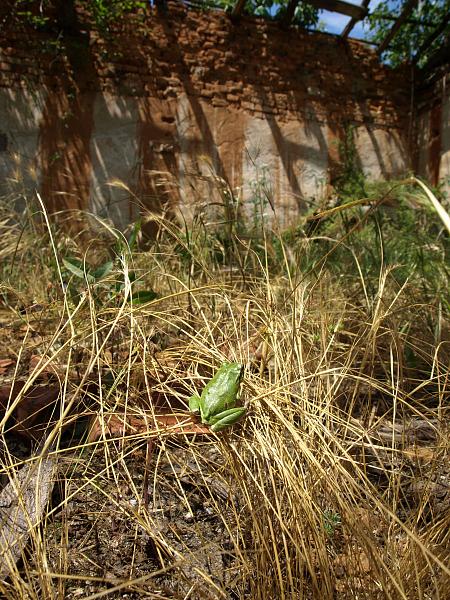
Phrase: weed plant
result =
(336, 484)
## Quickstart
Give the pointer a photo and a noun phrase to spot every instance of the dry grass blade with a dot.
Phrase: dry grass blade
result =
(440, 210)
(336, 485)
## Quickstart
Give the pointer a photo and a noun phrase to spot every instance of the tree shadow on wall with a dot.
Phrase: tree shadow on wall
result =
(163, 147)
(68, 121)
(183, 73)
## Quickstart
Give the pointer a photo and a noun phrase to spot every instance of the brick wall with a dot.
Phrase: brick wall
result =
(170, 98)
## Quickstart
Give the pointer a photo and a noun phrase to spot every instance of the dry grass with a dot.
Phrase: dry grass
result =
(336, 485)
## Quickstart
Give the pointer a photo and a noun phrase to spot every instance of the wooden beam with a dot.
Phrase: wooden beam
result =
(353, 21)
(430, 39)
(339, 6)
(238, 8)
(407, 10)
(290, 12)
(440, 58)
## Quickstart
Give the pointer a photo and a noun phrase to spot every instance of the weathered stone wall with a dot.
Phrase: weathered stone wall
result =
(170, 99)
(433, 132)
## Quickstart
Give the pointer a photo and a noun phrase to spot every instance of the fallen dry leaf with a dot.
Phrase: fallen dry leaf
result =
(34, 411)
(50, 370)
(115, 425)
(5, 363)
(420, 454)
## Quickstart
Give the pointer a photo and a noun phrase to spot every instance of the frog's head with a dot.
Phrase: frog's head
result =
(234, 370)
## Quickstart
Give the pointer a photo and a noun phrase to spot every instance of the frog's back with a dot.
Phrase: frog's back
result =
(220, 393)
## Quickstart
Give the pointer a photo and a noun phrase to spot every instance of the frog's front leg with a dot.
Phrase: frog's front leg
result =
(226, 418)
(194, 403)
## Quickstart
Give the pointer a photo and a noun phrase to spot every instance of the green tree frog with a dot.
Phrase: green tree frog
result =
(217, 403)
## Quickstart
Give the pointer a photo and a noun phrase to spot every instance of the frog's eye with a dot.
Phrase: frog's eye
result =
(238, 370)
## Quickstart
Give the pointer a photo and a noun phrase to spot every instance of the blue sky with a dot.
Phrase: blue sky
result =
(335, 23)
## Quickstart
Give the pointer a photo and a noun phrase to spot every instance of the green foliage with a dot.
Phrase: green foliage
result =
(77, 268)
(143, 296)
(105, 289)
(331, 522)
(106, 12)
(402, 233)
(35, 20)
(305, 15)
(350, 180)
(47, 13)
(421, 23)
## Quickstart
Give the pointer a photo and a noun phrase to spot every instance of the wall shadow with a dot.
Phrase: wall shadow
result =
(182, 71)
(67, 120)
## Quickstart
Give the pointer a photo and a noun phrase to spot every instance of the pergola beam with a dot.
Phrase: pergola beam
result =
(357, 13)
(440, 58)
(353, 21)
(344, 8)
(407, 10)
(430, 39)
(339, 6)
(238, 8)
(290, 12)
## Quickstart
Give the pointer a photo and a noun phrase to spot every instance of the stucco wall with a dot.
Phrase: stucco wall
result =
(175, 104)
(20, 118)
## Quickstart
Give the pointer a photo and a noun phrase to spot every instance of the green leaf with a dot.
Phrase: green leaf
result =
(134, 234)
(120, 283)
(143, 296)
(76, 268)
(102, 270)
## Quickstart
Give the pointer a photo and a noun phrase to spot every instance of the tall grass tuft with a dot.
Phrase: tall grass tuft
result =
(336, 484)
